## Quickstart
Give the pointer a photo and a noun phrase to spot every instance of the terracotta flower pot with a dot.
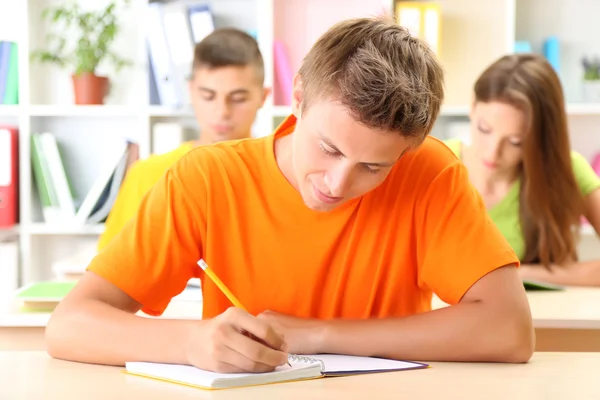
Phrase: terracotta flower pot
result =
(89, 88)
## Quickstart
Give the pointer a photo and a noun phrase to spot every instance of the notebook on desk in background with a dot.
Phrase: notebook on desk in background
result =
(302, 368)
(531, 285)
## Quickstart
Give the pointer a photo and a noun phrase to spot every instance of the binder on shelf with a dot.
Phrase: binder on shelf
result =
(52, 183)
(9, 176)
(109, 194)
(58, 175)
(160, 58)
(5, 55)
(102, 190)
(11, 89)
(283, 74)
(201, 20)
(175, 23)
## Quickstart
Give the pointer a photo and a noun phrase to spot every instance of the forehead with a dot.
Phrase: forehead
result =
(226, 78)
(502, 117)
(332, 121)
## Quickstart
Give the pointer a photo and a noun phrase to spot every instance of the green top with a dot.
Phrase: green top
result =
(505, 213)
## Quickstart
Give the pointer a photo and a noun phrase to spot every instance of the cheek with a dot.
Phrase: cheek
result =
(514, 155)
(201, 111)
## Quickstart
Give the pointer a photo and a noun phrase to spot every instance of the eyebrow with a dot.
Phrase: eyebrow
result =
(232, 93)
(372, 164)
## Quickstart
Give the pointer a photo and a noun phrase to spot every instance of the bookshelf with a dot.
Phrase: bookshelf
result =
(471, 30)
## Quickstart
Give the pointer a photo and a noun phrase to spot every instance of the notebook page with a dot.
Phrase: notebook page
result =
(198, 377)
(336, 364)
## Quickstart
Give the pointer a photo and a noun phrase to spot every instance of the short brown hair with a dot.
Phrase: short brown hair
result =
(387, 79)
(551, 202)
(226, 47)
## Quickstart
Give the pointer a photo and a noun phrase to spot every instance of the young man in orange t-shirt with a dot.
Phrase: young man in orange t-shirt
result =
(333, 233)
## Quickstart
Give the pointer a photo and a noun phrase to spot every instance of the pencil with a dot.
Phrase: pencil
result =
(220, 284)
(225, 291)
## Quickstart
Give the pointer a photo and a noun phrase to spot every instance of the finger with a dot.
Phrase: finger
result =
(240, 363)
(261, 329)
(254, 350)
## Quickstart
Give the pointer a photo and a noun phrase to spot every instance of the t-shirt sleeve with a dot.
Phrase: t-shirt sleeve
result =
(157, 251)
(586, 177)
(457, 242)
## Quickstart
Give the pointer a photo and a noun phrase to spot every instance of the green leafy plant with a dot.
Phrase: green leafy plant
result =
(81, 40)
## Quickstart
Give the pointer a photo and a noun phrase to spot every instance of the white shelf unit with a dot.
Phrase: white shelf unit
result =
(473, 34)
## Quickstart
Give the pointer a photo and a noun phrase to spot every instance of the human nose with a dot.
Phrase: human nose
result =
(338, 180)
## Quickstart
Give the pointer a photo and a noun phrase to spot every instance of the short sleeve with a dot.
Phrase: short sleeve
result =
(457, 242)
(157, 251)
(586, 177)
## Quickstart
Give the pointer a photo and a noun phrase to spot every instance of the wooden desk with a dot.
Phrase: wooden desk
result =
(34, 375)
(564, 320)
(25, 331)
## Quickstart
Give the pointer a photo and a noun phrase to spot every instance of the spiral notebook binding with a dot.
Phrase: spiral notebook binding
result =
(305, 360)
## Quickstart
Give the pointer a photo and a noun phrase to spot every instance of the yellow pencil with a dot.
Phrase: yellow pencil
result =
(220, 284)
(225, 291)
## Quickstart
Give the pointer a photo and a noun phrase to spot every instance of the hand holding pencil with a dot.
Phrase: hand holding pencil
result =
(235, 341)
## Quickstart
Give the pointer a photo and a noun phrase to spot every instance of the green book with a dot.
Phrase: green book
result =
(11, 95)
(49, 291)
(537, 285)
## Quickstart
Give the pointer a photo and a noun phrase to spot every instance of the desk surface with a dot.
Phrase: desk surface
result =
(573, 308)
(34, 375)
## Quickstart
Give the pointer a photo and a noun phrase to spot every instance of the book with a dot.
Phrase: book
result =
(532, 285)
(43, 296)
(302, 368)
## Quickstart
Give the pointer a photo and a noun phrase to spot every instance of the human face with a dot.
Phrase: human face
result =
(225, 101)
(335, 158)
(498, 130)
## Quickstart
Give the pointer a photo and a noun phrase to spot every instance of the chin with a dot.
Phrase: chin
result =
(316, 205)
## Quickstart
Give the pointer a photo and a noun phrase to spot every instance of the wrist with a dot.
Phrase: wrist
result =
(322, 333)
(185, 337)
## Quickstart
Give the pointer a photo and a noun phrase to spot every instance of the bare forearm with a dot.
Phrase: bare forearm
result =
(95, 332)
(465, 332)
(585, 273)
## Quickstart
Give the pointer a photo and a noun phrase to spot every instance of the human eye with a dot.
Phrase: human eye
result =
(327, 151)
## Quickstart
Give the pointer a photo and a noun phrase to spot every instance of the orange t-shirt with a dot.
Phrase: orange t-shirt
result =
(423, 230)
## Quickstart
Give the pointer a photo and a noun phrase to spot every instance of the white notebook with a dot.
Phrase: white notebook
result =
(303, 367)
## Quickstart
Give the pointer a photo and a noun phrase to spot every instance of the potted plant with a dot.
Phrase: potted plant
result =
(81, 40)
(591, 80)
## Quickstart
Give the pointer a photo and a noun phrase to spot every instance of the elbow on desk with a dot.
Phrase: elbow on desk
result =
(518, 341)
(56, 340)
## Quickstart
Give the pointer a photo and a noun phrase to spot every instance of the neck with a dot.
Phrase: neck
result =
(485, 181)
(284, 157)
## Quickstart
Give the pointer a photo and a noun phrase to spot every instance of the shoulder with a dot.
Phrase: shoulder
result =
(587, 179)
(219, 159)
(430, 168)
(159, 163)
(454, 144)
(430, 159)
(578, 161)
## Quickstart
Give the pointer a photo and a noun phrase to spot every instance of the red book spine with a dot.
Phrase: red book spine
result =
(9, 176)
